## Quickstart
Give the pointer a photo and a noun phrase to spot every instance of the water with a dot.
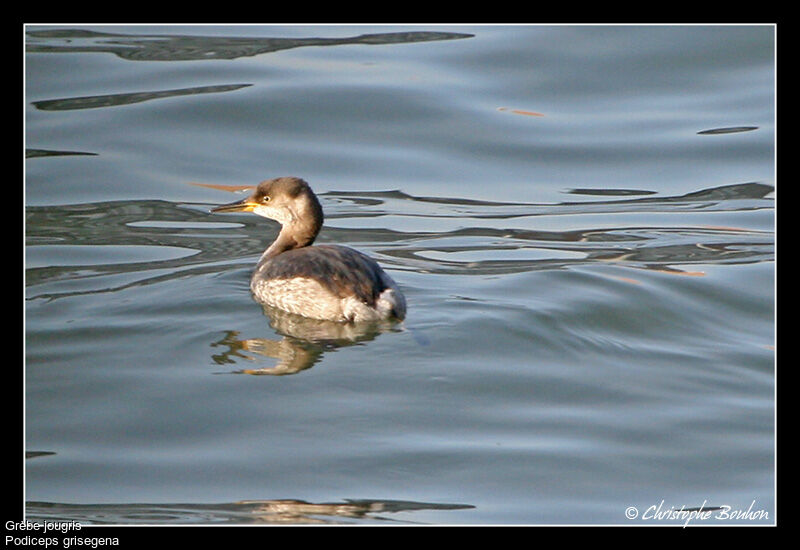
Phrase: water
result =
(581, 218)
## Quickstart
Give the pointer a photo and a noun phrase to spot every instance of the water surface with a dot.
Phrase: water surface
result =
(581, 218)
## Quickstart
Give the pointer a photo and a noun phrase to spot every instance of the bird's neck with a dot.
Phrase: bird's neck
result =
(291, 236)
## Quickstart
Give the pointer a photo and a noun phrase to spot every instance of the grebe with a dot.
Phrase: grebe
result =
(328, 282)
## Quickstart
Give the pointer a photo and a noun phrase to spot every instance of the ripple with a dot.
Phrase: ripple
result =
(729, 130)
(115, 100)
(38, 153)
(492, 238)
(93, 255)
(160, 47)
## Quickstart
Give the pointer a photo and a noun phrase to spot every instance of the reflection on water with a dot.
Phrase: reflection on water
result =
(280, 511)
(303, 344)
(35, 454)
(750, 190)
(157, 47)
(610, 192)
(36, 153)
(468, 250)
(730, 130)
(114, 100)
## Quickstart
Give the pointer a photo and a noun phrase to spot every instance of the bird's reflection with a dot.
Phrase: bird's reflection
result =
(272, 511)
(302, 342)
(302, 512)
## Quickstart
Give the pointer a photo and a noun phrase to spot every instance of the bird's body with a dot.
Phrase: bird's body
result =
(329, 282)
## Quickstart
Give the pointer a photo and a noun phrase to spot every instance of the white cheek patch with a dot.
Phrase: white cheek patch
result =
(280, 215)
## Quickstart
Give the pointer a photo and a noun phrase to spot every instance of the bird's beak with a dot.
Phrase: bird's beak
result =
(245, 205)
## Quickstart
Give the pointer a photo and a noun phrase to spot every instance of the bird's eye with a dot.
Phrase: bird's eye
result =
(265, 198)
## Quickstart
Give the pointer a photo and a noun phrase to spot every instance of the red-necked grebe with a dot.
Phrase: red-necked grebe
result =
(329, 282)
